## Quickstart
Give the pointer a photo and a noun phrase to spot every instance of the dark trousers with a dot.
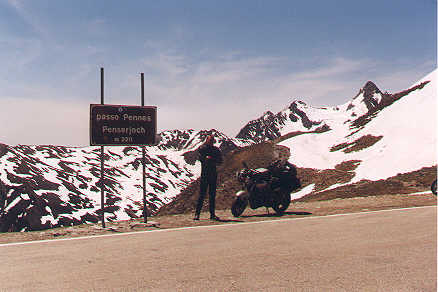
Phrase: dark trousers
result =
(207, 181)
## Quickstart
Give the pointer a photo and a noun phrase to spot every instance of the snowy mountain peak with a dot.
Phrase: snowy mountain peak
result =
(367, 99)
(297, 113)
(393, 133)
(370, 89)
(174, 139)
(297, 102)
(267, 115)
(300, 117)
(188, 139)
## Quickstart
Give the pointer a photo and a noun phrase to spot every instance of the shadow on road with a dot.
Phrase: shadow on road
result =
(228, 220)
(275, 215)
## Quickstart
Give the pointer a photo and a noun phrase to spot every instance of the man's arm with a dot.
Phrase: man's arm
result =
(201, 154)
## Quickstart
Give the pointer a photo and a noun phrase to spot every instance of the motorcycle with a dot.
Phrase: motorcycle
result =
(266, 187)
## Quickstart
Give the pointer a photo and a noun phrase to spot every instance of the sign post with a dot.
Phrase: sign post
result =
(102, 161)
(122, 125)
(143, 152)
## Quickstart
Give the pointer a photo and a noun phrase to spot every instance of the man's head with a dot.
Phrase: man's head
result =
(210, 140)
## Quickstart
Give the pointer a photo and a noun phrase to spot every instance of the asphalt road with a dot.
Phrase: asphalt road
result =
(377, 251)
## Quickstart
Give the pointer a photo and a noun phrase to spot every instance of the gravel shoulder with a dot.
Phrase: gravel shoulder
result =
(295, 210)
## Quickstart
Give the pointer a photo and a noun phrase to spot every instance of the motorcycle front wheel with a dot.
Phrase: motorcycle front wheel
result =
(282, 204)
(238, 207)
(433, 187)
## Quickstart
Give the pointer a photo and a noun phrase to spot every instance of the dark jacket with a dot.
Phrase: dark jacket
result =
(210, 156)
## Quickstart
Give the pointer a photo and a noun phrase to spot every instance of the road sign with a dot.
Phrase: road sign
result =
(112, 125)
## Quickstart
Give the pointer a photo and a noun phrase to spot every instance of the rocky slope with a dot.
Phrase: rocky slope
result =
(49, 186)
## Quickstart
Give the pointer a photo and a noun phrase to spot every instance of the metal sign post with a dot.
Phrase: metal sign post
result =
(145, 210)
(102, 161)
(122, 125)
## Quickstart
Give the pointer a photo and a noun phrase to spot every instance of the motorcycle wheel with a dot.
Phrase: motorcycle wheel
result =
(433, 187)
(282, 204)
(238, 207)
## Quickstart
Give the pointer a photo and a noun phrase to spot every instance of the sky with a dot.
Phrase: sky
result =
(207, 64)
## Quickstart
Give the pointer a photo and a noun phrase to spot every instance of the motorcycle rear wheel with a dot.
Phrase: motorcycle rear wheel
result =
(433, 187)
(238, 207)
(282, 204)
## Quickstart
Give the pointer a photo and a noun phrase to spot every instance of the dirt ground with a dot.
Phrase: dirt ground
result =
(295, 210)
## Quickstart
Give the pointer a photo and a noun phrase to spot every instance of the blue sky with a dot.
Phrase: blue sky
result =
(207, 64)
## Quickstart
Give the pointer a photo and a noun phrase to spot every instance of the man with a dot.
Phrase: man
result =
(210, 156)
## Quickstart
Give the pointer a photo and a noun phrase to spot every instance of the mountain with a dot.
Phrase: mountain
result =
(385, 134)
(376, 143)
(299, 116)
(49, 186)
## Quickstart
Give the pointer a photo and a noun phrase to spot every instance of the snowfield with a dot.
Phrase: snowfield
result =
(408, 129)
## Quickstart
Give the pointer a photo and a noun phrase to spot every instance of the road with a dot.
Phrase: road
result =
(392, 250)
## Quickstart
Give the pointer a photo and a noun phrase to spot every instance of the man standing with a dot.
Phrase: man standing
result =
(210, 156)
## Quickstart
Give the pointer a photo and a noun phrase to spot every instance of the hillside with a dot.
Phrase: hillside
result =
(51, 186)
(376, 143)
